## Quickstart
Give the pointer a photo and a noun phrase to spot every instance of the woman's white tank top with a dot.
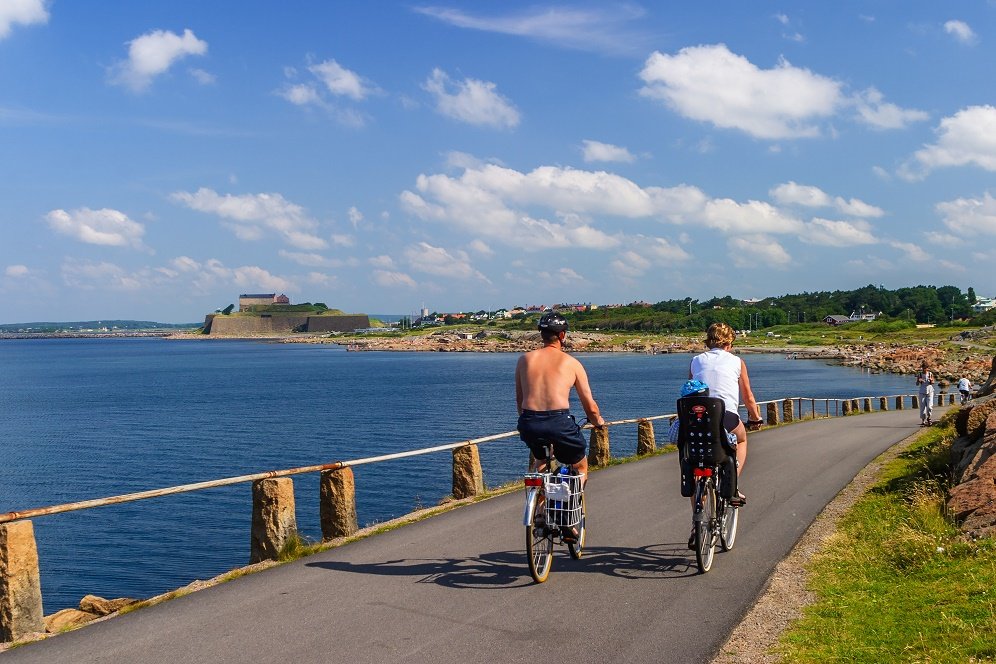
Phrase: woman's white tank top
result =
(720, 370)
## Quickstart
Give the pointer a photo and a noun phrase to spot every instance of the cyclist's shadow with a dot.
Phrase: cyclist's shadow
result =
(507, 569)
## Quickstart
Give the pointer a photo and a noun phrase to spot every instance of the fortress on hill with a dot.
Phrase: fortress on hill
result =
(269, 314)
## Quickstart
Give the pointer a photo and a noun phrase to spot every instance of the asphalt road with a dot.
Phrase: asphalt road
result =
(455, 588)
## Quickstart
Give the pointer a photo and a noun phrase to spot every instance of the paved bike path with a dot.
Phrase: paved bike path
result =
(455, 588)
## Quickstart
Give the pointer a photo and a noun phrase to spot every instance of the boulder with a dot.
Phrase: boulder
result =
(977, 416)
(67, 619)
(973, 501)
(103, 607)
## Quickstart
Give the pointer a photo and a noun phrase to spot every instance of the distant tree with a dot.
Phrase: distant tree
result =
(972, 299)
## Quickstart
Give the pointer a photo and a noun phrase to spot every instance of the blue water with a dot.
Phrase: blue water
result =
(87, 418)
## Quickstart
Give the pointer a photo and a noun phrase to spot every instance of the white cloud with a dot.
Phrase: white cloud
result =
(17, 271)
(966, 138)
(301, 94)
(837, 233)
(791, 193)
(596, 151)
(663, 251)
(383, 261)
(250, 278)
(877, 113)
(961, 31)
(943, 239)
(88, 275)
(104, 227)
(250, 214)
(969, 216)
(185, 264)
(480, 247)
(343, 240)
(322, 279)
(424, 257)
(472, 101)
(759, 252)
(591, 29)
(21, 12)
(913, 252)
(736, 218)
(310, 259)
(712, 84)
(630, 264)
(203, 77)
(390, 279)
(342, 82)
(153, 54)
(355, 216)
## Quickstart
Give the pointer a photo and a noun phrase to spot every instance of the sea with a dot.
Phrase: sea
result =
(89, 418)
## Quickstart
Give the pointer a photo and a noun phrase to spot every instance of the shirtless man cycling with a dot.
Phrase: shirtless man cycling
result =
(543, 381)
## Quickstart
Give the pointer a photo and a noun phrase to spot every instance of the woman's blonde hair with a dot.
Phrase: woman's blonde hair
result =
(719, 335)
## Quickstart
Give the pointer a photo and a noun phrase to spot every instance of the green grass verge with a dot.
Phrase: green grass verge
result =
(897, 582)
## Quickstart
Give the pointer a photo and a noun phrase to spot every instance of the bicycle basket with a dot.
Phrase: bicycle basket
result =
(563, 500)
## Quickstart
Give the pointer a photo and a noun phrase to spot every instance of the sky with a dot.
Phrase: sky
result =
(159, 158)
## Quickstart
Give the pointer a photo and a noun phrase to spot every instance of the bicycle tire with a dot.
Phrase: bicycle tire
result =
(728, 526)
(705, 539)
(539, 548)
(577, 550)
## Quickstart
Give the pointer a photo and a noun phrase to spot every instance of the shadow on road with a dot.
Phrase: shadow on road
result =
(507, 569)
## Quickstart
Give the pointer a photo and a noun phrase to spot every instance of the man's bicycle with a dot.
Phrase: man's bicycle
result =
(554, 513)
(709, 475)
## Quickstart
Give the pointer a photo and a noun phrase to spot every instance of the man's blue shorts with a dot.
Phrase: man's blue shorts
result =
(539, 427)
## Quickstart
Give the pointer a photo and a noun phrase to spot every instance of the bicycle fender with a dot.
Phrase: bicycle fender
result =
(527, 515)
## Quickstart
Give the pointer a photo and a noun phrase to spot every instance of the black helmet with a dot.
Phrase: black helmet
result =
(553, 322)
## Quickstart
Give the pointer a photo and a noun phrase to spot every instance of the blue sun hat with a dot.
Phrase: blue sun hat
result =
(694, 387)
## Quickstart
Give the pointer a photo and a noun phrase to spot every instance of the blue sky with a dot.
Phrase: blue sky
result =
(159, 158)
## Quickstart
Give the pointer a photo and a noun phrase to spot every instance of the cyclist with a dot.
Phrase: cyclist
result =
(543, 381)
(965, 387)
(726, 376)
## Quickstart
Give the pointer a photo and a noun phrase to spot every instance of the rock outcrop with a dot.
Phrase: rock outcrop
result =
(972, 500)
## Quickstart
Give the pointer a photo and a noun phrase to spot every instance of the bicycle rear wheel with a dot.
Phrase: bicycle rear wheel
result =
(728, 526)
(539, 545)
(576, 549)
(705, 520)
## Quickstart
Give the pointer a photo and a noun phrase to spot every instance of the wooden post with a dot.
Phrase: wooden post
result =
(337, 503)
(899, 402)
(868, 405)
(772, 414)
(273, 518)
(787, 410)
(20, 583)
(847, 407)
(883, 403)
(598, 450)
(468, 478)
(646, 441)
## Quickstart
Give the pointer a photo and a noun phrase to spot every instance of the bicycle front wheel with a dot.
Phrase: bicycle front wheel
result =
(705, 520)
(728, 526)
(539, 545)
(576, 549)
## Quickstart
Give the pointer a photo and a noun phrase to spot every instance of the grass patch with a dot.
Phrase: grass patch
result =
(897, 582)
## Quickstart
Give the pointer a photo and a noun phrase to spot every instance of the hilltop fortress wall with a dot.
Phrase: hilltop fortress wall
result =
(264, 325)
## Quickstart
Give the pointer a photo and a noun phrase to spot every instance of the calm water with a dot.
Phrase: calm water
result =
(90, 418)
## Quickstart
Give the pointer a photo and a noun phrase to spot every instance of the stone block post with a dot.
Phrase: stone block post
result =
(846, 406)
(951, 398)
(883, 403)
(337, 503)
(788, 413)
(868, 405)
(20, 583)
(598, 449)
(646, 441)
(915, 401)
(273, 518)
(940, 399)
(772, 409)
(468, 478)
(899, 403)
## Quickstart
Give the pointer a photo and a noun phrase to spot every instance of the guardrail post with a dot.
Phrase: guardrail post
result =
(846, 405)
(468, 479)
(854, 406)
(787, 407)
(646, 441)
(915, 401)
(883, 403)
(20, 583)
(940, 399)
(899, 403)
(772, 414)
(868, 405)
(951, 398)
(273, 518)
(337, 503)
(598, 449)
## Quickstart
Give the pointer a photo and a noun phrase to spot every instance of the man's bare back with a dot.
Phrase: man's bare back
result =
(544, 378)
